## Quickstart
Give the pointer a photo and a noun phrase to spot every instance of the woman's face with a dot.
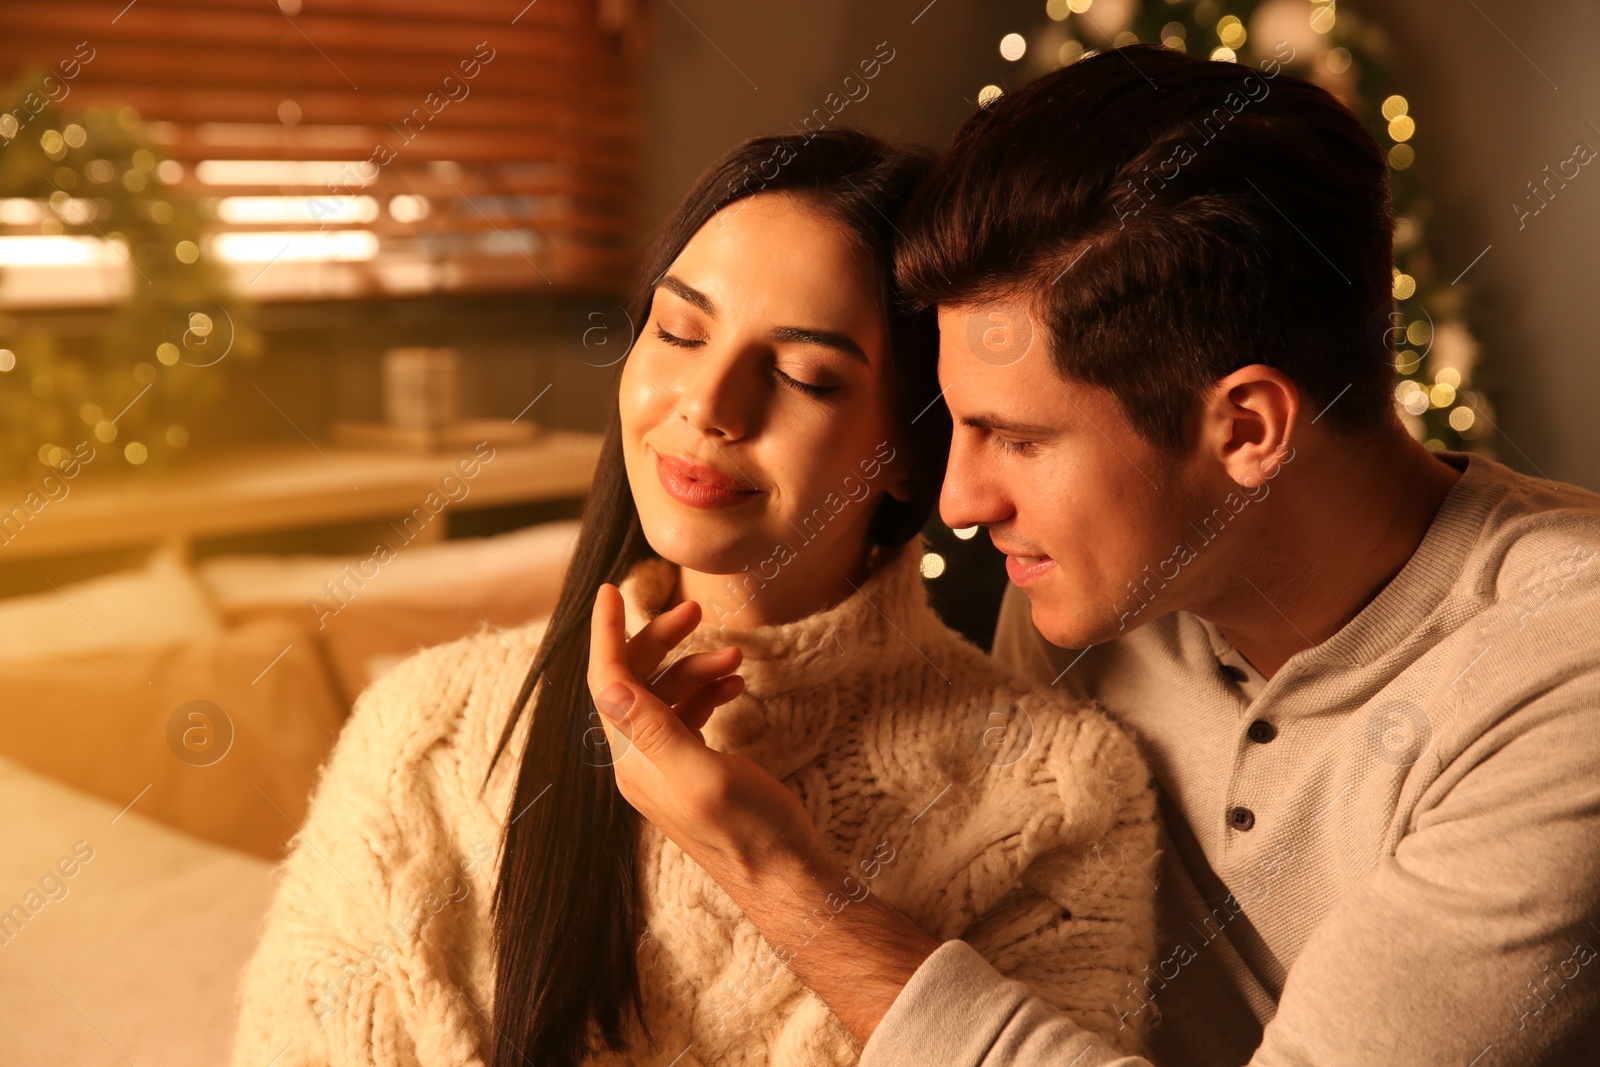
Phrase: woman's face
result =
(757, 404)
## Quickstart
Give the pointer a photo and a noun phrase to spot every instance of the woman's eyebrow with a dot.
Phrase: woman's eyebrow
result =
(686, 292)
(795, 334)
(826, 338)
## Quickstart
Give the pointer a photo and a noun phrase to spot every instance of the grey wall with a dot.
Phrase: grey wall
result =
(1500, 92)
(722, 71)
(1489, 122)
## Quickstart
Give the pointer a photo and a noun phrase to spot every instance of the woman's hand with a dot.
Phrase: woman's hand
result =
(727, 812)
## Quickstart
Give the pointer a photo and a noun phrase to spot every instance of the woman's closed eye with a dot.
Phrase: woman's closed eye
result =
(808, 388)
(676, 341)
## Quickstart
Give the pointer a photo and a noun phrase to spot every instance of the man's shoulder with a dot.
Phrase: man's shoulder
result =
(1530, 585)
(1539, 538)
(1520, 493)
(1524, 514)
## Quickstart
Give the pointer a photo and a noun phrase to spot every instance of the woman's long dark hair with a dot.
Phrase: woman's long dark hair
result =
(565, 918)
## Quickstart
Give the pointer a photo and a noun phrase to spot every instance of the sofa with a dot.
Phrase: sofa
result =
(160, 734)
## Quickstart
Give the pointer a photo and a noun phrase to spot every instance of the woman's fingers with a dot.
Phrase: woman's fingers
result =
(687, 674)
(696, 709)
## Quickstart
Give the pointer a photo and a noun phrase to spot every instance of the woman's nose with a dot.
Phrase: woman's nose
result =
(717, 396)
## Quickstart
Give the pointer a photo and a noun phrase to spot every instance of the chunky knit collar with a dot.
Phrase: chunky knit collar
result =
(794, 671)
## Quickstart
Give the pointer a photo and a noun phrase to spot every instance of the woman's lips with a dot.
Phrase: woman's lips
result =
(699, 486)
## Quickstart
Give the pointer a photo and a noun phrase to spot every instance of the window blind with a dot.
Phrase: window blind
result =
(369, 147)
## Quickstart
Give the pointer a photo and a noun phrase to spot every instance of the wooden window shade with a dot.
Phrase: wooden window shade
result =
(464, 145)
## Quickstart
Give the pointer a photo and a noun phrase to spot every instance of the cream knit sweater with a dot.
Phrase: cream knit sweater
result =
(985, 809)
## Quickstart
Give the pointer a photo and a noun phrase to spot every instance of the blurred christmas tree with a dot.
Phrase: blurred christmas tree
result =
(128, 384)
(1436, 354)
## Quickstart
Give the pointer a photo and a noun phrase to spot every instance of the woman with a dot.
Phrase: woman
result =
(470, 887)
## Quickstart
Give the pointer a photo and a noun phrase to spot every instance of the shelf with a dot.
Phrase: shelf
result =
(289, 486)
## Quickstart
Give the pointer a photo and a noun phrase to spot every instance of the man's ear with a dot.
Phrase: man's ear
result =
(1247, 423)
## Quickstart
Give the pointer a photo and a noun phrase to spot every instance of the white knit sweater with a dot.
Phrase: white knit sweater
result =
(985, 809)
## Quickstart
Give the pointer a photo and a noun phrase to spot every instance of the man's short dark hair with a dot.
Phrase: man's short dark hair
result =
(1172, 219)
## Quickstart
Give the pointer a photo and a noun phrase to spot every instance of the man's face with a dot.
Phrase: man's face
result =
(1080, 503)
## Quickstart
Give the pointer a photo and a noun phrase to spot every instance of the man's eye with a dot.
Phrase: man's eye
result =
(1013, 447)
(675, 341)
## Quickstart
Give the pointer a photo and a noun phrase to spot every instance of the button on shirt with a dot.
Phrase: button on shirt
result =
(1261, 731)
(1248, 683)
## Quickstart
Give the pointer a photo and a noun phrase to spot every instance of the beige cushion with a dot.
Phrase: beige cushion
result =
(102, 722)
(159, 605)
(424, 595)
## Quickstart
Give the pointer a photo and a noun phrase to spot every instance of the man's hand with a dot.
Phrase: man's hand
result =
(745, 828)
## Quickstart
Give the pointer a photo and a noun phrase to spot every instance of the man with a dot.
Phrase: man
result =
(1365, 675)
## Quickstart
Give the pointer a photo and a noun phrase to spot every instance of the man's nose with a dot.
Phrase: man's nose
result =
(972, 494)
